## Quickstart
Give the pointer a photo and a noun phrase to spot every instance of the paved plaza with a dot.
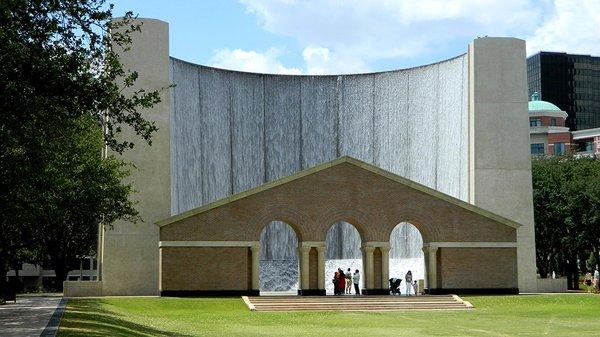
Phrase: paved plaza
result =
(30, 316)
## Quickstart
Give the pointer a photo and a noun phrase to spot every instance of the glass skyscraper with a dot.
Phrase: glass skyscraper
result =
(572, 82)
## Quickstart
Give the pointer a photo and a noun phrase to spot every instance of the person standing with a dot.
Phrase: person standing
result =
(588, 280)
(416, 287)
(348, 281)
(409, 282)
(356, 282)
(336, 276)
(342, 282)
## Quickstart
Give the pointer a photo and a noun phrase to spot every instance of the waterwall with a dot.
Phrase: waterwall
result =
(223, 131)
(231, 131)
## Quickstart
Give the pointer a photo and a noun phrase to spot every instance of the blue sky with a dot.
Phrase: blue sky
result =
(347, 36)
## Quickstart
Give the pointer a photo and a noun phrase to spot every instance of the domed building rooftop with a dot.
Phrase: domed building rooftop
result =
(536, 104)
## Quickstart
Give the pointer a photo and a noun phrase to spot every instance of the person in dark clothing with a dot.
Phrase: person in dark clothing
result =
(341, 282)
(335, 283)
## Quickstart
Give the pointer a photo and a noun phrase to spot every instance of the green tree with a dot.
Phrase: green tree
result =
(548, 212)
(566, 192)
(59, 68)
(78, 190)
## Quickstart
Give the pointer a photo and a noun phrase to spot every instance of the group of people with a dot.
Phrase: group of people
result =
(592, 281)
(342, 282)
(412, 286)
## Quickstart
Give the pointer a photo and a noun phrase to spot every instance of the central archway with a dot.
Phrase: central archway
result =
(406, 253)
(343, 243)
(279, 259)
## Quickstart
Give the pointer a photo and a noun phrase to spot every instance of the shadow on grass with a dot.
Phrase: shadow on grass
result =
(89, 318)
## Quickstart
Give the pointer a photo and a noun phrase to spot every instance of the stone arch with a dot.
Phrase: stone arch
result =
(407, 255)
(297, 220)
(401, 259)
(356, 218)
(278, 265)
(428, 227)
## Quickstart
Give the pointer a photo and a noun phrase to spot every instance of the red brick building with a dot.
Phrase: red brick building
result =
(547, 130)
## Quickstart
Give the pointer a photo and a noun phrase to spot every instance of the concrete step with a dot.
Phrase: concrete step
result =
(351, 304)
(356, 300)
(360, 306)
(354, 310)
(356, 303)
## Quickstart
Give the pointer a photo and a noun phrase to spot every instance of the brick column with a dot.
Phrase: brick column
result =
(369, 267)
(321, 266)
(385, 266)
(255, 267)
(304, 267)
(316, 265)
(431, 266)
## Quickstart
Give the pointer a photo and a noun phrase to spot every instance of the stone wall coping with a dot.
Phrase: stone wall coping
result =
(311, 243)
(162, 244)
(470, 245)
(383, 244)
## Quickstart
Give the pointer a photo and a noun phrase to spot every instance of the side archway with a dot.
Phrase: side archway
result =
(278, 259)
(406, 254)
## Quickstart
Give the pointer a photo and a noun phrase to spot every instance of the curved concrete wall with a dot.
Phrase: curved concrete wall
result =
(232, 131)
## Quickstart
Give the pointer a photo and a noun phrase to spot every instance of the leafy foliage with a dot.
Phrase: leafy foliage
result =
(77, 190)
(61, 85)
(566, 196)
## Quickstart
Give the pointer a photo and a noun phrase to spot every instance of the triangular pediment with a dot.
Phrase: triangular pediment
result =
(360, 165)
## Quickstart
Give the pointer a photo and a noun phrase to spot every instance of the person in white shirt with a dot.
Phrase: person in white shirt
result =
(409, 282)
(356, 282)
(348, 274)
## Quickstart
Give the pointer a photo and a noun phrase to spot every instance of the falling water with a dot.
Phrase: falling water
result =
(279, 257)
(233, 131)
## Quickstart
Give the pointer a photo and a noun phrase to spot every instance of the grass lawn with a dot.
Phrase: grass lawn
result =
(526, 315)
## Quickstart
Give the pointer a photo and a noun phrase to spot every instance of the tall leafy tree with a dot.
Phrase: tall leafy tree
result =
(566, 192)
(78, 190)
(549, 212)
(59, 68)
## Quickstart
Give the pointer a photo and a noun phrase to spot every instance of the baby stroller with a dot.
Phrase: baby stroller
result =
(395, 285)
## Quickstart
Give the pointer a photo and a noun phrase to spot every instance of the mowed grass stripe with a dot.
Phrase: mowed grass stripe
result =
(525, 315)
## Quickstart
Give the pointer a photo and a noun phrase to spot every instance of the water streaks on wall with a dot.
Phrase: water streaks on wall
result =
(231, 131)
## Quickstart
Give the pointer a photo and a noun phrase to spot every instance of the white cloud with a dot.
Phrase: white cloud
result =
(316, 59)
(252, 61)
(320, 60)
(572, 26)
(348, 36)
(357, 33)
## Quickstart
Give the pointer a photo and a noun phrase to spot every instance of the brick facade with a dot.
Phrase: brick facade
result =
(478, 268)
(547, 121)
(204, 268)
(370, 200)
